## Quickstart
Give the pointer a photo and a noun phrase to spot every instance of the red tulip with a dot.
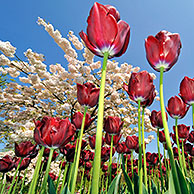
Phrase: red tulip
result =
(105, 153)
(87, 94)
(88, 165)
(53, 132)
(156, 119)
(176, 108)
(119, 148)
(191, 137)
(77, 120)
(24, 149)
(105, 32)
(132, 142)
(163, 50)
(187, 90)
(53, 176)
(6, 164)
(140, 87)
(116, 138)
(92, 141)
(188, 147)
(24, 164)
(162, 137)
(183, 131)
(113, 125)
(68, 151)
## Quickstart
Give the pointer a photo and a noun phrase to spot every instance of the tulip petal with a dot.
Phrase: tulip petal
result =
(93, 97)
(82, 95)
(102, 27)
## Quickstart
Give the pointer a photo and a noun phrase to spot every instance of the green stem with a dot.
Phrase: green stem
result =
(76, 164)
(15, 186)
(14, 178)
(2, 178)
(23, 180)
(183, 157)
(36, 172)
(144, 154)
(140, 170)
(82, 179)
(97, 157)
(3, 188)
(64, 177)
(60, 170)
(161, 176)
(44, 184)
(167, 136)
(132, 166)
(178, 145)
(110, 161)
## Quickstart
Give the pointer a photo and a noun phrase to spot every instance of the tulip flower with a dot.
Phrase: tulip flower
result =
(53, 176)
(191, 137)
(87, 94)
(106, 33)
(163, 50)
(6, 164)
(25, 163)
(112, 125)
(162, 137)
(25, 149)
(116, 138)
(132, 142)
(156, 119)
(187, 90)
(77, 120)
(53, 132)
(176, 108)
(140, 87)
(183, 131)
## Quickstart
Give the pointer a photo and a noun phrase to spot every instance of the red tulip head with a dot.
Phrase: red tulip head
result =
(6, 164)
(191, 137)
(116, 138)
(113, 125)
(141, 88)
(87, 94)
(163, 50)
(176, 108)
(183, 131)
(53, 132)
(187, 90)
(132, 142)
(106, 32)
(156, 119)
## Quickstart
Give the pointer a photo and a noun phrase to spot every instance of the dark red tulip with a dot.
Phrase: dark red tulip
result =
(24, 164)
(163, 50)
(77, 120)
(174, 138)
(176, 108)
(105, 153)
(150, 100)
(140, 87)
(105, 32)
(175, 151)
(53, 176)
(116, 138)
(162, 137)
(188, 147)
(24, 149)
(126, 150)
(187, 90)
(132, 142)
(183, 131)
(113, 125)
(86, 155)
(53, 132)
(6, 164)
(88, 165)
(92, 141)
(154, 158)
(156, 119)
(92, 156)
(87, 94)
(192, 152)
(191, 137)
(148, 157)
(119, 148)
(105, 168)
(63, 165)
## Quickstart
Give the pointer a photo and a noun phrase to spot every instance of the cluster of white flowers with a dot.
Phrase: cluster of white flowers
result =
(51, 90)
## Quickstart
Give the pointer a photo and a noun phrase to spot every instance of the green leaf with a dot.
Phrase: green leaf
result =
(182, 180)
(154, 189)
(51, 186)
(191, 186)
(171, 184)
(65, 190)
(127, 179)
(113, 189)
(136, 185)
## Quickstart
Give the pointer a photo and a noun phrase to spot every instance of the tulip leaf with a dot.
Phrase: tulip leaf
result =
(127, 179)
(113, 189)
(51, 186)
(171, 189)
(182, 180)
(154, 189)
(191, 186)
(136, 185)
(65, 190)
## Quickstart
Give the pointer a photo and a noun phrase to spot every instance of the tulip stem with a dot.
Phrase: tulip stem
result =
(110, 161)
(159, 158)
(144, 155)
(167, 136)
(178, 145)
(140, 170)
(44, 184)
(132, 166)
(14, 178)
(76, 163)
(183, 157)
(97, 156)
(23, 180)
(64, 176)
(60, 170)
(36, 172)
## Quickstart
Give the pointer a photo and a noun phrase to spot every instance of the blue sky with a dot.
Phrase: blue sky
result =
(18, 25)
